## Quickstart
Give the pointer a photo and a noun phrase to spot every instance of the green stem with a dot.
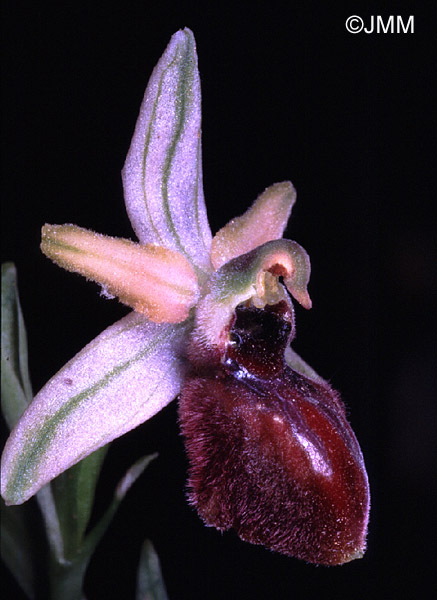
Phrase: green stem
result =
(66, 579)
(66, 576)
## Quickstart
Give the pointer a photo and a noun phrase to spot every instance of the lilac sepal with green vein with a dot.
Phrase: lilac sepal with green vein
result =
(122, 378)
(162, 176)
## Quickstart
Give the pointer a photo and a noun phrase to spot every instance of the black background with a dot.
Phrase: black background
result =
(288, 93)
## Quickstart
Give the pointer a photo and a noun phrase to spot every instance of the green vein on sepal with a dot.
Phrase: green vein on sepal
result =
(26, 465)
(185, 61)
(182, 98)
(166, 206)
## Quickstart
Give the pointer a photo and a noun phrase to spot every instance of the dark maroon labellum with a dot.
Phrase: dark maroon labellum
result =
(271, 452)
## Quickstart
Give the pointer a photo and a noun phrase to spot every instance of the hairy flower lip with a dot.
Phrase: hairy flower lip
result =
(302, 486)
(220, 423)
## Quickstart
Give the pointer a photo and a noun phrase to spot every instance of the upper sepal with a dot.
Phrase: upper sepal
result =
(121, 379)
(162, 175)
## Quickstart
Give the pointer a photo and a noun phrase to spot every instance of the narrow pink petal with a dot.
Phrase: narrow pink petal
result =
(121, 379)
(155, 281)
(264, 221)
(162, 176)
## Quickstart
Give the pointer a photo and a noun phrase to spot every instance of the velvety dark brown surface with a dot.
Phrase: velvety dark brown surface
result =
(271, 452)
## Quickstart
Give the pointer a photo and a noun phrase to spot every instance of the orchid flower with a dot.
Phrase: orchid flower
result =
(271, 452)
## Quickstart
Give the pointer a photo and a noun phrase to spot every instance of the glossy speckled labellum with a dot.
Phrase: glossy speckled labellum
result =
(271, 453)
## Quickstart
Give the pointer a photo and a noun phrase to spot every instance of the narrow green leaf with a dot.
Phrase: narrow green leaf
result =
(124, 485)
(150, 584)
(16, 546)
(67, 578)
(132, 475)
(16, 392)
(47, 506)
(15, 381)
(74, 493)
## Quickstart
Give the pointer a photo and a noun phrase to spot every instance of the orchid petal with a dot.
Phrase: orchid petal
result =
(155, 281)
(118, 381)
(162, 176)
(264, 221)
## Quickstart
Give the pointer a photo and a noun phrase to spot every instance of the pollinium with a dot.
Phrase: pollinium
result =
(271, 453)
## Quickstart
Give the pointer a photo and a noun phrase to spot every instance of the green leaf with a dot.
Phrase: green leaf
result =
(150, 584)
(124, 485)
(67, 577)
(16, 546)
(73, 492)
(15, 381)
